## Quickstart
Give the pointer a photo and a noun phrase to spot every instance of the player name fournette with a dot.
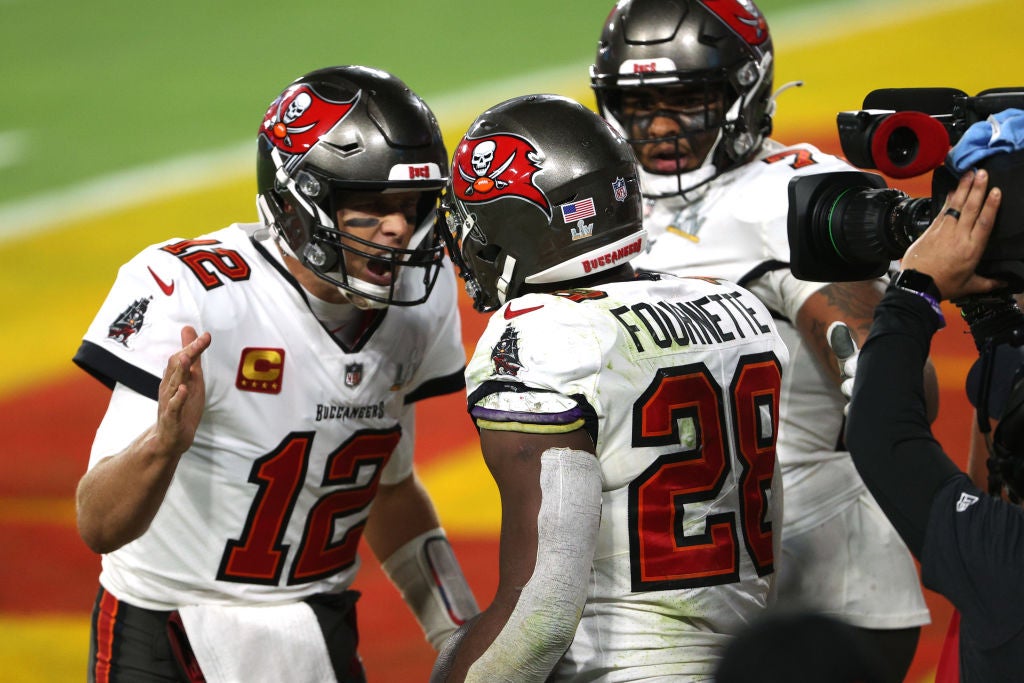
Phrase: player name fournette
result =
(711, 319)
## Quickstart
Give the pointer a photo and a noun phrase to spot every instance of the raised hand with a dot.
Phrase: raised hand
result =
(949, 250)
(182, 393)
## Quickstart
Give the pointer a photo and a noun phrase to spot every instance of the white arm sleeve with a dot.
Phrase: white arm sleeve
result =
(544, 621)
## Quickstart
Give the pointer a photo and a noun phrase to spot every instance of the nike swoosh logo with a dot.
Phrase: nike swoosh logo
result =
(167, 289)
(509, 313)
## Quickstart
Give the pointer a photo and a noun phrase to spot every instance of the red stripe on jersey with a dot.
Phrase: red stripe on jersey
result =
(106, 619)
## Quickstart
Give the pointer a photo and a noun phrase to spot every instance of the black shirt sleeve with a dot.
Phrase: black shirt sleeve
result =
(110, 369)
(887, 431)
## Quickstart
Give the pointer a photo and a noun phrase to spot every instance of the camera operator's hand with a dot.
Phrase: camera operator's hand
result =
(949, 250)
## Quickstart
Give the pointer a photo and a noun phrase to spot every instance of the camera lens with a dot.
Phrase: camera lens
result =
(849, 226)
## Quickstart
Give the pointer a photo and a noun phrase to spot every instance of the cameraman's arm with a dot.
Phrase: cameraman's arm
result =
(887, 433)
(887, 429)
(853, 304)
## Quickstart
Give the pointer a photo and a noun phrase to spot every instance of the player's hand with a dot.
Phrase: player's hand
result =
(841, 342)
(182, 394)
(949, 250)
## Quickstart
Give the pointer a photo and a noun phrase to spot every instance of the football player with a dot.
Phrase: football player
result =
(689, 83)
(629, 423)
(264, 382)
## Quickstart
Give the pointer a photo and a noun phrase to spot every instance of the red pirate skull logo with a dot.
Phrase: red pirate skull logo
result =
(297, 119)
(743, 17)
(498, 166)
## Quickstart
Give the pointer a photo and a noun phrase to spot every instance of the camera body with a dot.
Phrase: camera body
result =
(848, 226)
(906, 132)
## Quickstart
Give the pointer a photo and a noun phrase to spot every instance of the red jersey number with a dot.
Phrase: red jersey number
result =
(210, 265)
(663, 554)
(259, 554)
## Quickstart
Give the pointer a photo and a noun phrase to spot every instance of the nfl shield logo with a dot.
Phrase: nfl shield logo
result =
(619, 189)
(353, 374)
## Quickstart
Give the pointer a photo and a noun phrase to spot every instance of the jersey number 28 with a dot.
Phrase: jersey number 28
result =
(668, 552)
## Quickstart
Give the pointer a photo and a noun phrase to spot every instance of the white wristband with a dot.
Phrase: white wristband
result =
(428, 576)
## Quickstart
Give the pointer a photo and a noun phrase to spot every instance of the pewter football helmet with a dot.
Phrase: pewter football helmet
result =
(542, 190)
(345, 129)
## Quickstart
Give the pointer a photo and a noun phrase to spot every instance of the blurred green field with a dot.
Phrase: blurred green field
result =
(96, 87)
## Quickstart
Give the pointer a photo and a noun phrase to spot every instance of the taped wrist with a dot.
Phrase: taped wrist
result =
(544, 621)
(428, 576)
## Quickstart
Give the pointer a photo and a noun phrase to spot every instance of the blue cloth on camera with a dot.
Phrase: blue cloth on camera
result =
(1002, 132)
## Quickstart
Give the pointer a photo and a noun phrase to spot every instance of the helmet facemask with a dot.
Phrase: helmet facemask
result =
(305, 208)
(468, 248)
(663, 49)
(673, 129)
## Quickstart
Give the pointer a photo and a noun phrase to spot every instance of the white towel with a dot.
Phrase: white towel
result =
(245, 644)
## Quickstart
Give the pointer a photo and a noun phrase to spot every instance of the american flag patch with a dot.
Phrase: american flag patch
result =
(577, 211)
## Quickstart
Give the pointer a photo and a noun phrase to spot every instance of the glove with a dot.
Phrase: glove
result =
(841, 342)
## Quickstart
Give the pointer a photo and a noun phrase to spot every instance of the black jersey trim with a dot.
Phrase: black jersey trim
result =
(761, 269)
(438, 386)
(111, 370)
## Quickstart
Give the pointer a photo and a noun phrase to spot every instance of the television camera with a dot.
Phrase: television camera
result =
(846, 226)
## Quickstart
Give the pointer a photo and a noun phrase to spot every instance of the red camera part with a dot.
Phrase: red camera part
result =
(909, 143)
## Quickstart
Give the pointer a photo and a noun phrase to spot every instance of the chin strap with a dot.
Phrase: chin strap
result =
(505, 279)
(783, 88)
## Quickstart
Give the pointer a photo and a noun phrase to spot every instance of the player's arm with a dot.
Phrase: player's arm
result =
(405, 535)
(119, 496)
(550, 487)
(852, 303)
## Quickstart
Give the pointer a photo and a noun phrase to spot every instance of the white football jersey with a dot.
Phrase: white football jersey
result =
(677, 381)
(837, 543)
(736, 228)
(269, 503)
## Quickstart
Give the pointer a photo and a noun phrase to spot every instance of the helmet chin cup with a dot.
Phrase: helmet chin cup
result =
(355, 286)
